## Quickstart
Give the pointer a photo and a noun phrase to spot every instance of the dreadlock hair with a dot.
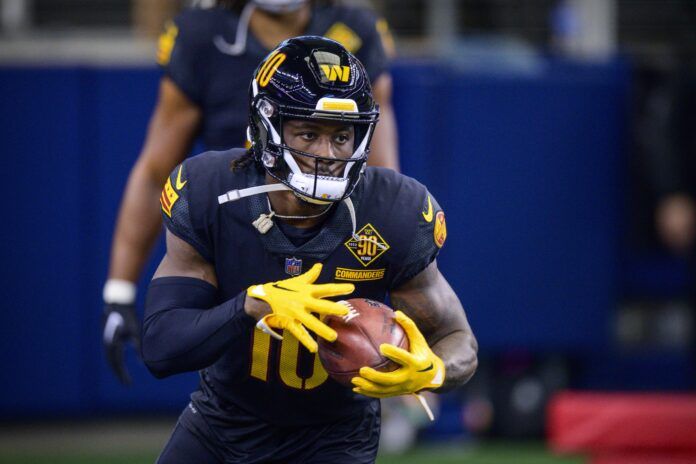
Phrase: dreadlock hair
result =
(245, 161)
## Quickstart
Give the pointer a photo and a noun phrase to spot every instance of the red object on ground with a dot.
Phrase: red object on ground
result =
(643, 458)
(623, 428)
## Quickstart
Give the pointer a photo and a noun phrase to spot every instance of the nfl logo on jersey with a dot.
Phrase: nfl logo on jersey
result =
(293, 266)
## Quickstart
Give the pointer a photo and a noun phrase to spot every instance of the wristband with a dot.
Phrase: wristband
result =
(119, 291)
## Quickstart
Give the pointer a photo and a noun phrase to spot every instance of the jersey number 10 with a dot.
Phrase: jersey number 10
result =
(287, 367)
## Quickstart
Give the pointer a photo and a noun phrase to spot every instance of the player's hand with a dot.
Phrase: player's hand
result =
(120, 326)
(420, 367)
(292, 303)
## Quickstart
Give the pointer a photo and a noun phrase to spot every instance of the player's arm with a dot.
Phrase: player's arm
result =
(436, 310)
(385, 143)
(185, 330)
(171, 131)
(442, 350)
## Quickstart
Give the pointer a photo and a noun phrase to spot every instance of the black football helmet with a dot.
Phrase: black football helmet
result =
(310, 78)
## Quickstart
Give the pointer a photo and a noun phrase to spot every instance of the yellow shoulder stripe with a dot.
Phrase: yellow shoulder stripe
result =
(165, 44)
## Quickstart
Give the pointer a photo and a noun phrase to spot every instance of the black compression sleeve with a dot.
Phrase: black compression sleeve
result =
(183, 330)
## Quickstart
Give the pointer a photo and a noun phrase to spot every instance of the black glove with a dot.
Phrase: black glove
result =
(120, 326)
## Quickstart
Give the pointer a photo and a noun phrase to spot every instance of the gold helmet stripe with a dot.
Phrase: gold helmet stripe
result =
(274, 64)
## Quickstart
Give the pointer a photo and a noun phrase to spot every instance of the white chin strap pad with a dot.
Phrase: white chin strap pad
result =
(327, 188)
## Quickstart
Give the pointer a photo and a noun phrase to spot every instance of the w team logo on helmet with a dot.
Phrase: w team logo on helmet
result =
(334, 72)
(311, 78)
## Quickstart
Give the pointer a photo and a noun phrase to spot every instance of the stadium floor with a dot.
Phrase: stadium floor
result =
(488, 453)
(138, 442)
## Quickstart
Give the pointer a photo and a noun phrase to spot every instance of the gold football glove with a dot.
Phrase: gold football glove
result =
(294, 300)
(420, 367)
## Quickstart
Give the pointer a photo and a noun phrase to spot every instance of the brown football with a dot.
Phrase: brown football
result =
(360, 333)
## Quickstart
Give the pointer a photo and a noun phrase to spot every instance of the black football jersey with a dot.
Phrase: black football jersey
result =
(194, 53)
(402, 227)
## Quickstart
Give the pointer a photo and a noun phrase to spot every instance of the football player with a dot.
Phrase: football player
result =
(208, 56)
(260, 239)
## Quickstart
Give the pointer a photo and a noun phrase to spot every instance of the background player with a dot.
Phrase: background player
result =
(208, 56)
(297, 200)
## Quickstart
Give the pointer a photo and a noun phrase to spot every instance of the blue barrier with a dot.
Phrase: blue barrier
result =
(525, 167)
(527, 171)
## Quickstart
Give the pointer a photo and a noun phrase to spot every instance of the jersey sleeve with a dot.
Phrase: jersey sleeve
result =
(428, 238)
(378, 45)
(179, 51)
(178, 203)
(365, 35)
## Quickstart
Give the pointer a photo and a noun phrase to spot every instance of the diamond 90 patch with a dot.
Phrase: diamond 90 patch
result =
(370, 246)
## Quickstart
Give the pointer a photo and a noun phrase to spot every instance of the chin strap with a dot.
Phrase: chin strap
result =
(426, 407)
(351, 211)
(264, 222)
(234, 195)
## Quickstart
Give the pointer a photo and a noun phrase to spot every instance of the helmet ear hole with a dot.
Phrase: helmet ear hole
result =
(266, 108)
(269, 160)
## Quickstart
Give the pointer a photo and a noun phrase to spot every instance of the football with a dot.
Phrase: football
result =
(368, 324)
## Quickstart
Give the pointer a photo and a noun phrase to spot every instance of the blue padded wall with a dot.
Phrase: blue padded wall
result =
(526, 168)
